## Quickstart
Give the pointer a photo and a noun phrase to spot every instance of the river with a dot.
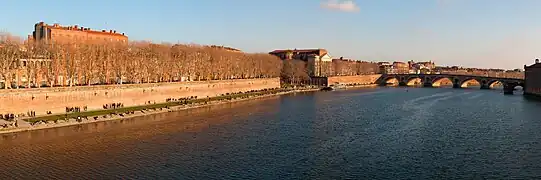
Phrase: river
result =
(372, 133)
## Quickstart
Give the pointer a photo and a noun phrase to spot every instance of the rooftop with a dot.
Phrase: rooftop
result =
(319, 52)
(535, 65)
(77, 28)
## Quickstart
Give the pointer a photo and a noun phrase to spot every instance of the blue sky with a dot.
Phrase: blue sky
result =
(473, 33)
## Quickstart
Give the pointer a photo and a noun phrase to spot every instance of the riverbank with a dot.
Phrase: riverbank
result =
(55, 100)
(362, 86)
(72, 119)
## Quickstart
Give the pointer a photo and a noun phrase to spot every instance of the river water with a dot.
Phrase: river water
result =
(374, 133)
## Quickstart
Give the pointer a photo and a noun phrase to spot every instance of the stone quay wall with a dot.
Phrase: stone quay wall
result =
(56, 100)
(360, 79)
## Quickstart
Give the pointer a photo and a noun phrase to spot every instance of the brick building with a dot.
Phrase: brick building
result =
(385, 68)
(401, 67)
(421, 67)
(69, 34)
(533, 79)
(319, 62)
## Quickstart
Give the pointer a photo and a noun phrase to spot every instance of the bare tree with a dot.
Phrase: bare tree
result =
(9, 55)
(84, 63)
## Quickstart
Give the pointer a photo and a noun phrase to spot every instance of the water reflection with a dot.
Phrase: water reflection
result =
(191, 120)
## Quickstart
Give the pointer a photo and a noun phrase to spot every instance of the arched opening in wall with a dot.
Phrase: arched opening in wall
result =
(415, 81)
(442, 82)
(391, 82)
(495, 85)
(470, 83)
(519, 89)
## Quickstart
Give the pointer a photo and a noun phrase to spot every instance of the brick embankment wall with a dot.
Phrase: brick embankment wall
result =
(94, 97)
(360, 79)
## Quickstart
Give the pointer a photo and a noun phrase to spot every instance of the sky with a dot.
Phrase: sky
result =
(470, 33)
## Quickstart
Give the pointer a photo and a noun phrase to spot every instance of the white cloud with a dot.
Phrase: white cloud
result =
(340, 5)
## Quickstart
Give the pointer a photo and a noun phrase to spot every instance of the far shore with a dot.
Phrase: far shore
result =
(25, 126)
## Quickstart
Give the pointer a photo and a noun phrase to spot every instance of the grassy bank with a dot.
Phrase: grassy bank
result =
(181, 102)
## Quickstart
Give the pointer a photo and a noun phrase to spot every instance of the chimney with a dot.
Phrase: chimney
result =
(110, 31)
(103, 30)
(123, 34)
(536, 61)
(114, 31)
(82, 28)
(75, 27)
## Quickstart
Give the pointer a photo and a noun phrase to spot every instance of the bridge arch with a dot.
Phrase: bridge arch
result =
(392, 81)
(468, 82)
(494, 84)
(442, 81)
(510, 86)
(414, 81)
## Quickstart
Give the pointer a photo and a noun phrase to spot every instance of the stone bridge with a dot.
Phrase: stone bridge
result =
(458, 81)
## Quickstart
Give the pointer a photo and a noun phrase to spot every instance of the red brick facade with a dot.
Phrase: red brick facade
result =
(75, 34)
(301, 54)
(533, 79)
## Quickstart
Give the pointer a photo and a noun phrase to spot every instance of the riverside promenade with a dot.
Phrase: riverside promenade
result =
(70, 119)
(58, 100)
(80, 105)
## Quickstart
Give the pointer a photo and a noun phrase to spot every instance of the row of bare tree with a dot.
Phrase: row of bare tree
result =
(351, 68)
(85, 64)
(37, 65)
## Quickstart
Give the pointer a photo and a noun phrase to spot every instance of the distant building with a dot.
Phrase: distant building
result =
(385, 68)
(421, 67)
(301, 54)
(318, 60)
(70, 34)
(533, 79)
(401, 67)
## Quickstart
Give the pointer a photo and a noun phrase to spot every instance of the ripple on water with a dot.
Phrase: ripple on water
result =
(381, 133)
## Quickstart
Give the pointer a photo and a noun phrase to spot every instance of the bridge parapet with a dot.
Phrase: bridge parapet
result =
(495, 74)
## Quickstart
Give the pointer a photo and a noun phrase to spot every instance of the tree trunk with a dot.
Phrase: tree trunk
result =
(18, 81)
(28, 83)
(7, 82)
